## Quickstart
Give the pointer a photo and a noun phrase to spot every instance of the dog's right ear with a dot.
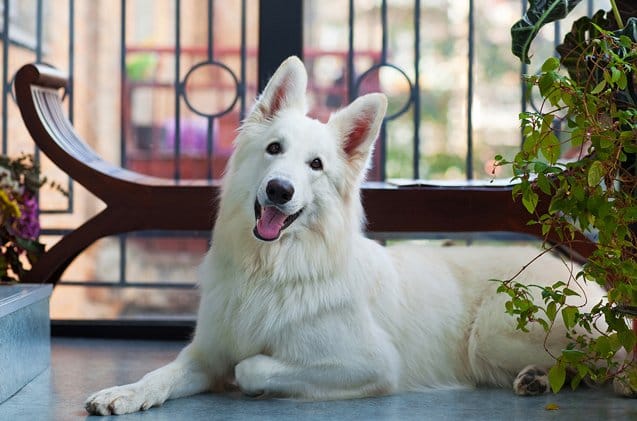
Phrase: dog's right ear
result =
(286, 89)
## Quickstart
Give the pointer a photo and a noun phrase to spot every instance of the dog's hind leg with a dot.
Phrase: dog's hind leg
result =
(183, 377)
(499, 355)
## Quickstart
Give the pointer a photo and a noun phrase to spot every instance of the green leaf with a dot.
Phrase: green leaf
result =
(557, 377)
(603, 346)
(615, 74)
(569, 313)
(578, 192)
(627, 339)
(546, 83)
(551, 310)
(551, 64)
(622, 82)
(530, 200)
(599, 87)
(550, 148)
(539, 13)
(595, 174)
(573, 355)
(543, 183)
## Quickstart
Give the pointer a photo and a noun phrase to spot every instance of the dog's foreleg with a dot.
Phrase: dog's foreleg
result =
(183, 377)
(264, 375)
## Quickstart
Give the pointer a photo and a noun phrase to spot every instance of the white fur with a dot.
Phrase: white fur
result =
(323, 312)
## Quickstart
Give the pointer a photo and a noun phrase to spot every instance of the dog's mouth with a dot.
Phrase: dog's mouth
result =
(271, 221)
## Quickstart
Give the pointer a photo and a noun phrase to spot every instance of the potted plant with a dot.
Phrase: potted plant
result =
(20, 181)
(24, 309)
(588, 105)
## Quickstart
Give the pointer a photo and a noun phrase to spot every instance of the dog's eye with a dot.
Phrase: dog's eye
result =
(316, 164)
(274, 148)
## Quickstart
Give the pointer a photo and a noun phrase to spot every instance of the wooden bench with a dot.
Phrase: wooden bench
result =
(136, 202)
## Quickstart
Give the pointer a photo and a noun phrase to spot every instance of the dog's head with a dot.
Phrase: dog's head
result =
(290, 170)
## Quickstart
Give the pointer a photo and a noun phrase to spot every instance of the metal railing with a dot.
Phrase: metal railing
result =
(274, 45)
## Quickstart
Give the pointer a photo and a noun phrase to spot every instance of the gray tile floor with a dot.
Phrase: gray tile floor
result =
(81, 366)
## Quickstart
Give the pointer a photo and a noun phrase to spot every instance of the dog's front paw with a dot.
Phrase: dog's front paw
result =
(252, 374)
(531, 381)
(118, 400)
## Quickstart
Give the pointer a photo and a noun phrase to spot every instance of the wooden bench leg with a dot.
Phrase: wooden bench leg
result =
(56, 260)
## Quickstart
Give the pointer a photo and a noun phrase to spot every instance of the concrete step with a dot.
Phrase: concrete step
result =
(25, 335)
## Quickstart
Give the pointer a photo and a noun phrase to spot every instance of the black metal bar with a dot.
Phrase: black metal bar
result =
(524, 68)
(280, 35)
(70, 92)
(471, 53)
(416, 91)
(5, 74)
(122, 129)
(556, 125)
(38, 31)
(244, 57)
(383, 22)
(210, 147)
(351, 77)
(138, 234)
(210, 121)
(38, 59)
(122, 259)
(167, 329)
(211, 32)
(19, 44)
(178, 90)
(123, 83)
(382, 152)
(128, 284)
(70, 88)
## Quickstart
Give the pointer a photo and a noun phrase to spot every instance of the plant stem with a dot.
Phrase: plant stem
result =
(618, 17)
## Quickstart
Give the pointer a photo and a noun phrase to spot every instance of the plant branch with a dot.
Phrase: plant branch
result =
(616, 14)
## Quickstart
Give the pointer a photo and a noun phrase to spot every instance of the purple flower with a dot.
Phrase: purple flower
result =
(28, 225)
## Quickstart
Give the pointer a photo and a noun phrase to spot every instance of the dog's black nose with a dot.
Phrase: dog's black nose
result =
(279, 191)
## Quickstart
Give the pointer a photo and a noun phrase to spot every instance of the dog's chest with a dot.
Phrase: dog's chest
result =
(266, 315)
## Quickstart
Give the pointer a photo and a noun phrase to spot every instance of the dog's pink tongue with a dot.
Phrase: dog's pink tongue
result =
(270, 224)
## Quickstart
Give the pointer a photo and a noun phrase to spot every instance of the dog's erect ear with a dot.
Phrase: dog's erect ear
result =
(358, 125)
(286, 89)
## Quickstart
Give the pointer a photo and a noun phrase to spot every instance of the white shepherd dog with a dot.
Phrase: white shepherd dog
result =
(296, 302)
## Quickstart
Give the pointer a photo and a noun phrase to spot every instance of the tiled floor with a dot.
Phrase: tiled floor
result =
(81, 366)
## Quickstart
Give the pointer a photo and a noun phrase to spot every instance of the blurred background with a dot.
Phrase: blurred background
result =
(160, 87)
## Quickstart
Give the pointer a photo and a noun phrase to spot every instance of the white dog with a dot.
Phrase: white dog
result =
(296, 302)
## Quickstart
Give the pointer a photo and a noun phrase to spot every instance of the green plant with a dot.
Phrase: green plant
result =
(595, 104)
(20, 181)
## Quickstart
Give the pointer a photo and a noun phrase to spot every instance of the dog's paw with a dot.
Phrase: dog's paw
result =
(622, 387)
(252, 374)
(118, 400)
(531, 381)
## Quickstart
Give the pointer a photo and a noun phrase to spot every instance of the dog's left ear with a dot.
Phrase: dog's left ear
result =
(358, 125)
